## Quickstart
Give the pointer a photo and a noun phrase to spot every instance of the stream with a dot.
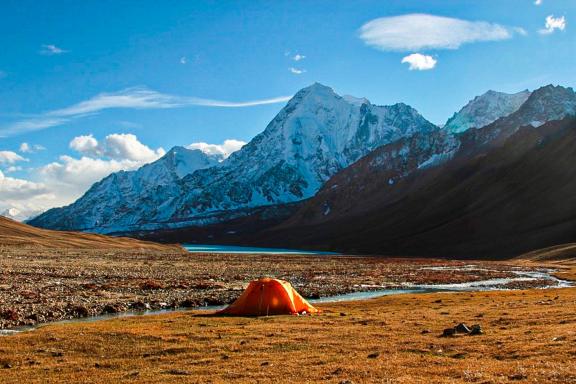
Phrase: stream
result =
(482, 285)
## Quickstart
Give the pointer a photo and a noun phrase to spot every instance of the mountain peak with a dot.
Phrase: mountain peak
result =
(317, 90)
(485, 109)
(551, 89)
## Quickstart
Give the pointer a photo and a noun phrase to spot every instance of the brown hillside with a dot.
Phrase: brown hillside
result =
(564, 254)
(13, 233)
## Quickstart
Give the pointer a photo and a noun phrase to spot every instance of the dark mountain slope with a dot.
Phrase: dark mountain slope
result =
(491, 204)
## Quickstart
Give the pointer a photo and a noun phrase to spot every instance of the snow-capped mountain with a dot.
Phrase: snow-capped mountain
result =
(485, 109)
(13, 213)
(317, 134)
(124, 189)
(390, 191)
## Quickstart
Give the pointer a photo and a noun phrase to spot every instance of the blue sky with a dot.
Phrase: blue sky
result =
(57, 55)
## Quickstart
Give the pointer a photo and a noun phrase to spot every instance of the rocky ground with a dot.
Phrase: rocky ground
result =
(40, 285)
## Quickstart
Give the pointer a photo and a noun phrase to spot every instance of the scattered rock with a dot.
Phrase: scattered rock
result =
(9, 314)
(265, 364)
(449, 332)
(476, 330)
(141, 306)
(374, 355)
(346, 382)
(81, 311)
(462, 328)
(189, 303)
(518, 376)
(559, 338)
(342, 314)
(113, 308)
(338, 371)
(425, 331)
(6, 365)
(177, 372)
(151, 285)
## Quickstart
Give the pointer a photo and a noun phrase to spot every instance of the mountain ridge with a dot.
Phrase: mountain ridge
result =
(314, 136)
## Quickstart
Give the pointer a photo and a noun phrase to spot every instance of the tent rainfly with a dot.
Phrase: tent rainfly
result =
(268, 296)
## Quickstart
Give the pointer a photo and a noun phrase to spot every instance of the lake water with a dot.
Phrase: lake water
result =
(204, 248)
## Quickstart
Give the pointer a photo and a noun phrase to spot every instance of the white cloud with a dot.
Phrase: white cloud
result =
(11, 188)
(419, 62)
(13, 168)
(70, 177)
(117, 146)
(296, 71)
(298, 57)
(27, 148)
(225, 149)
(22, 198)
(552, 24)
(537, 2)
(51, 49)
(63, 181)
(423, 31)
(9, 157)
(126, 146)
(131, 98)
(86, 145)
(183, 60)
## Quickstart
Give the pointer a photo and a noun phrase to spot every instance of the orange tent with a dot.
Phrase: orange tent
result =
(268, 296)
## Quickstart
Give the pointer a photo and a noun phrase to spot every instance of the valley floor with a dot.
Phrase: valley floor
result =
(529, 337)
(43, 285)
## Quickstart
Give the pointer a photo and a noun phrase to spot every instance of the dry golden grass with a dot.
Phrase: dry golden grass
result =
(13, 233)
(530, 337)
(561, 257)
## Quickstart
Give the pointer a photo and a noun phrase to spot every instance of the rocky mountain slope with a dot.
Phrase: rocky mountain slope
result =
(497, 202)
(485, 109)
(381, 176)
(317, 134)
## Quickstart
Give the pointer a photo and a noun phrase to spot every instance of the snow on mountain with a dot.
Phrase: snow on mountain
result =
(117, 194)
(13, 213)
(545, 104)
(376, 176)
(485, 109)
(315, 135)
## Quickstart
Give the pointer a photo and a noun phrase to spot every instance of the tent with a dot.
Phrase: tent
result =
(268, 296)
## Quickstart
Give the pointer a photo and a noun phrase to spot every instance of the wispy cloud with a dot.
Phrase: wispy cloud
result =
(552, 24)
(131, 98)
(9, 157)
(419, 62)
(183, 60)
(537, 2)
(51, 49)
(298, 57)
(296, 71)
(422, 31)
(29, 148)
